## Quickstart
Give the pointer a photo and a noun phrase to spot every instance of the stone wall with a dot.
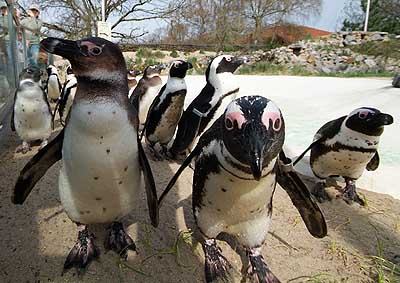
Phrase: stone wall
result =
(332, 54)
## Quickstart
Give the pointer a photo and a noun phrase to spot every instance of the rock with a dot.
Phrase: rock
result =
(370, 63)
(377, 37)
(396, 81)
(359, 58)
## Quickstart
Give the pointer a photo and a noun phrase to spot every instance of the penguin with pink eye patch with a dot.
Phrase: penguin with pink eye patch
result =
(238, 162)
(346, 147)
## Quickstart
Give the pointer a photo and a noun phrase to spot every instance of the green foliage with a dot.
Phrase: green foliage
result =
(138, 61)
(174, 54)
(151, 61)
(386, 49)
(158, 54)
(384, 16)
(130, 63)
(144, 52)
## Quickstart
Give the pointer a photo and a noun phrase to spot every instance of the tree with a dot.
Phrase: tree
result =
(264, 13)
(77, 18)
(384, 15)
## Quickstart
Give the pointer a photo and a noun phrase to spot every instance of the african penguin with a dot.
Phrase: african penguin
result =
(167, 107)
(67, 96)
(53, 85)
(238, 162)
(31, 116)
(132, 81)
(220, 89)
(101, 157)
(146, 90)
(346, 147)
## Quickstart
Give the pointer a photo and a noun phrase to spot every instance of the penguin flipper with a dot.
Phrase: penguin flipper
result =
(301, 197)
(12, 123)
(373, 164)
(35, 169)
(150, 185)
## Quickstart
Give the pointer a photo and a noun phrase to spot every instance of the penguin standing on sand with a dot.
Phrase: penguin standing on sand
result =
(53, 84)
(220, 89)
(146, 90)
(31, 116)
(346, 147)
(132, 81)
(239, 160)
(101, 157)
(67, 96)
(167, 107)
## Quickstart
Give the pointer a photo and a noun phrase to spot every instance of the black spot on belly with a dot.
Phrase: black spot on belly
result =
(209, 202)
(218, 209)
(34, 111)
(223, 189)
(231, 180)
(114, 112)
(81, 212)
(96, 178)
(23, 110)
(108, 151)
(104, 209)
(120, 182)
(89, 113)
(126, 168)
(88, 211)
(252, 211)
(98, 198)
(101, 137)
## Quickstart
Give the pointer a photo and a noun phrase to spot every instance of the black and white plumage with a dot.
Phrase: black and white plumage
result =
(67, 96)
(53, 85)
(102, 159)
(220, 89)
(132, 80)
(31, 115)
(346, 147)
(146, 90)
(239, 160)
(167, 107)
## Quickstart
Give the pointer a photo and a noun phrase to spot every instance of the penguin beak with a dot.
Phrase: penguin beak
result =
(190, 66)
(383, 120)
(240, 60)
(68, 49)
(256, 151)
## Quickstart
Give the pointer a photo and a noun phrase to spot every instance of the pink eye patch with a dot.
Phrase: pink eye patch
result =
(363, 114)
(274, 117)
(238, 117)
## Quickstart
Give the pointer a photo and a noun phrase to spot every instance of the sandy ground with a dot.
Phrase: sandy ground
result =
(36, 237)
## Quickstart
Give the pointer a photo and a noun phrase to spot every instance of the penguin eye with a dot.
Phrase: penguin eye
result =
(95, 51)
(228, 124)
(228, 59)
(363, 115)
(277, 124)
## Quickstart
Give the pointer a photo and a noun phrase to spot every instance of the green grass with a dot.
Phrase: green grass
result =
(144, 52)
(174, 54)
(386, 49)
(266, 68)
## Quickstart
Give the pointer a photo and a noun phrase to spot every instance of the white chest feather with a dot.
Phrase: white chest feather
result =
(100, 177)
(233, 205)
(53, 87)
(32, 117)
(146, 101)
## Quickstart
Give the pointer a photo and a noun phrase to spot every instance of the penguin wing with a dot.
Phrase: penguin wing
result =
(373, 164)
(204, 140)
(327, 131)
(48, 107)
(150, 185)
(139, 90)
(301, 197)
(35, 169)
(12, 124)
(155, 102)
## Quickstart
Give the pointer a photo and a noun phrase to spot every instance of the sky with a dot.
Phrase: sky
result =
(331, 15)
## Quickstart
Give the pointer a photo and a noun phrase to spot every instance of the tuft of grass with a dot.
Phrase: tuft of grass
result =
(386, 49)
(174, 54)
(385, 269)
(144, 52)
(130, 63)
(158, 54)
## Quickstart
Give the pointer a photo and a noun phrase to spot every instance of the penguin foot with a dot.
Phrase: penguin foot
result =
(319, 192)
(217, 267)
(119, 241)
(350, 195)
(258, 270)
(82, 254)
(24, 148)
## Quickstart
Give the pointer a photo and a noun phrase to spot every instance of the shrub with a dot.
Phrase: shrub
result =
(174, 54)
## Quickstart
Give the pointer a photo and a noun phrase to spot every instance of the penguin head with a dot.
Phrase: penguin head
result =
(153, 70)
(369, 121)
(94, 58)
(51, 70)
(179, 68)
(133, 73)
(31, 73)
(223, 65)
(253, 132)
